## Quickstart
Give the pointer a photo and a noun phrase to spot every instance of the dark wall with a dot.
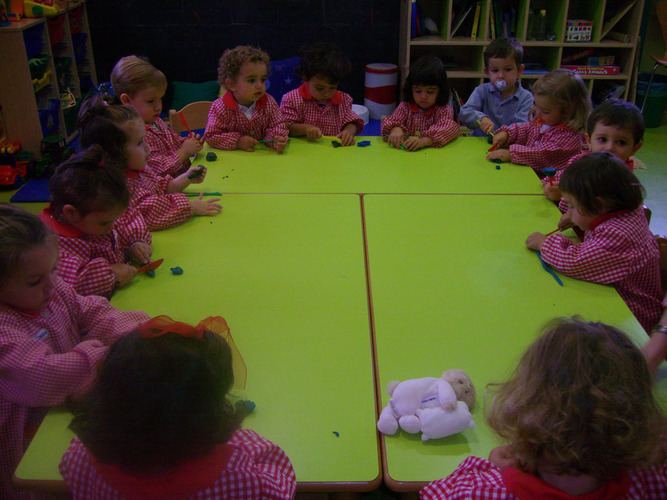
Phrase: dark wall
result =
(185, 38)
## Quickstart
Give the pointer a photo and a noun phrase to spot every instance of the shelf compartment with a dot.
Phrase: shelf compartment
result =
(455, 57)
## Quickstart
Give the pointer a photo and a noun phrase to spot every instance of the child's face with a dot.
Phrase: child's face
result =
(425, 96)
(547, 111)
(615, 140)
(32, 284)
(321, 89)
(580, 219)
(147, 103)
(250, 84)
(94, 223)
(504, 69)
(136, 148)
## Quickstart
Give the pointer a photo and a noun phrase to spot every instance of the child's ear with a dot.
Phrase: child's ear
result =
(125, 99)
(637, 147)
(519, 70)
(71, 214)
(602, 207)
(486, 71)
(587, 138)
(230, 84)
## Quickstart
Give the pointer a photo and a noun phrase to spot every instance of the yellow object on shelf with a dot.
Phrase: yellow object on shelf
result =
(39, 83)
(35, 9)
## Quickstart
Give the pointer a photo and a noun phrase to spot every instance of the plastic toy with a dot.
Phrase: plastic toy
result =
(12, 174)
(10, 147)
(151, 266)
(39, 9)
(211, 156)
(549, 172)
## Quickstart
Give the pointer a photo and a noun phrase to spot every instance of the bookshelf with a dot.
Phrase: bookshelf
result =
(615, 32)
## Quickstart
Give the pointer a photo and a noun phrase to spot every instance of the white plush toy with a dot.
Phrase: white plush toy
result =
(438, 422)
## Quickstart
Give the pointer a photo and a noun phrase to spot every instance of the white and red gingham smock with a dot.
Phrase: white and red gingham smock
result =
(164, 142)
(148, 195)
(437, 122)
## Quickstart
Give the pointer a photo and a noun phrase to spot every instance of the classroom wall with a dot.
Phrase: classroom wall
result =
(185, 38)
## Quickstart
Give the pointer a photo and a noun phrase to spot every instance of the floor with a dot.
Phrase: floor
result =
(654, 177)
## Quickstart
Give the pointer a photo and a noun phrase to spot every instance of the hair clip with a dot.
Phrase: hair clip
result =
(160, 325)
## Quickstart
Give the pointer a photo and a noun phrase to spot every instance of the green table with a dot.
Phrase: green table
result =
(453, 286)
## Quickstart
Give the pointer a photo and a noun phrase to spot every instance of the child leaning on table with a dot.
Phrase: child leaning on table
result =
(246, 114)
(317, 107)
(580, 420)
(88, 194)
(605, 201)
(139, 84)
(120, 131)
(502, 100)
(51, 338)
(424, 116)
(175, 434)
(556, 133)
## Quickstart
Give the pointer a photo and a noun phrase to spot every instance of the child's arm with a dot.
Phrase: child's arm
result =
(87, 276)
(471, 112)
(169, 152)
(134, 238)
(293, 110)
(275, 130)
(222, 127)
(656, 348)
(166, 210)
(398, 119)
(552, 149)
(348, 117)
(444, 128)
(194, 175)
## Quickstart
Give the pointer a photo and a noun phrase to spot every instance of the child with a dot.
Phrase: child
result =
(175, 434)
(605, 201)
(87, 196)
(502, 100)
(424, 114)
(51, 339)
(139, 84)
(615, 126)
(555, 134)
(655, 349)
(581, 422)
(317, 108)
(120, 132)
(246, 114)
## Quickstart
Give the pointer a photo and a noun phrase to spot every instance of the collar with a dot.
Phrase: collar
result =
(133, 174)
(416, 109)
(631, 164)
(304, 91)
(60, 228)
(29, 313)
(538, 123)
(596, 222)
(230, 101)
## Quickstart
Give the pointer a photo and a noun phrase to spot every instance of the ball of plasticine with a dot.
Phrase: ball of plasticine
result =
(211, 156)
(176, 270)
(151, 273)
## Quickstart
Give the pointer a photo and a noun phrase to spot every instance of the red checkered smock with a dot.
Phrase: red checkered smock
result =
(227, 124)
(476, 478)
(84, 261)
(619, 250)
(298, 106)
(553, 147)
(148, 195)
(164, 142)
(46, 356)
(247, 467)
(437, 122)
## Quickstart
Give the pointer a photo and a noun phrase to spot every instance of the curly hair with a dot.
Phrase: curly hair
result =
(581, 401)
(231, 61)
(618, 113)
(132, 74)
(325, 60)
(158, 402)
(566, 89)
(427, 71)
(503, 47)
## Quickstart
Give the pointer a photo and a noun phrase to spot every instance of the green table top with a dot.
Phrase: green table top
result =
(287, 272)
(453, 286)
(318, 167)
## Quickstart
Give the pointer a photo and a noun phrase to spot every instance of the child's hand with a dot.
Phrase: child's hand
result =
(486, 125)
(500, 139)
(535, 241)
(205, 207)
(279, 143)
(196, 175)
(124, 273)
(247, 143)
(197, 137)
(565, 221)
(502, 457)
(415, 143)
(346, 135)
(141, 252)
(552, 191)
(313, 133)
(503, 154)
(191, 146)
(396, 137)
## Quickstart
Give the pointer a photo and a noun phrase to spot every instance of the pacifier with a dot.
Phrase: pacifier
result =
(501, 85)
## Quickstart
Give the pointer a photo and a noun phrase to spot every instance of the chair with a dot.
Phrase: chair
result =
(193, 116)
(661, 10)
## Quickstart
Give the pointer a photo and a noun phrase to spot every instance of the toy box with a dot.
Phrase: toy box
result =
(49, 118)
(579, 30)
(593, 70)
(56, 29)
(32, 37)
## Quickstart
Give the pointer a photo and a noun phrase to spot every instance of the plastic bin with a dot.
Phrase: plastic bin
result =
(32, 37)
(49, 118)
(56, 31)
(656, 101)
(38, 66)
(76, 20)
(79, 45)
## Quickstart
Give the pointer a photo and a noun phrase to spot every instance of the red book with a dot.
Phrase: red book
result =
(593, 70)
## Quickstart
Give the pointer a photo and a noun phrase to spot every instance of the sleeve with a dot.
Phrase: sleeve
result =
(163, 211)
(526, 103)
(548, 151)
(349, 116)
(87, 276)
(397, 119)
(559, 173)
(473, 478)
(471, 111)
(291, 106)
(131, 228)
(162, 158)
(275, 122)
(518, 132)
(444, 128)
(219, 127)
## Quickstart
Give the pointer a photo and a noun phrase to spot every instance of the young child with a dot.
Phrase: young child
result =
(51, 339)
(87, 196)
(424, 115)
(556, 132)
(502, 100)
(605, 201)
(246, 114)
(317, 108)
(139, 84)
(581, 422)
(120, 132)
(175, 434)
(615, 126)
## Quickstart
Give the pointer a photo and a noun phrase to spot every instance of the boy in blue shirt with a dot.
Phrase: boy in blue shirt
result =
(502, 100)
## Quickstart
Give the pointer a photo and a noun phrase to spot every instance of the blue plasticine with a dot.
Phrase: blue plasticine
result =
(496, 160)
(363, 144)
(151, 273)
(246, 405)
(497, 167)
(211, 156)
(176, 270)
(336, 433)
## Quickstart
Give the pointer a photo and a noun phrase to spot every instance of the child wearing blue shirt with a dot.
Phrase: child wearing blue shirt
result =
(502, 100)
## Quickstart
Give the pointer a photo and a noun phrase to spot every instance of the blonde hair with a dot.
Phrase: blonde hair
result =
(581, 401)
(566, 89)
(132, 74)
(231, 61)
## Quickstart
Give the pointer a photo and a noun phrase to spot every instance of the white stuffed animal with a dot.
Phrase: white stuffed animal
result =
(437, 423)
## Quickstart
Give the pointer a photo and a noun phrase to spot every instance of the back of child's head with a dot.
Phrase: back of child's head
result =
(325, 60)
(566, 90)
(20, 232)
(132, 74)
(580, 402)
(160, 398)
(618, 113)
(101, 123)
(231, 61)
(90, 183)
(600, 182)
(502, 48)
(427, 71)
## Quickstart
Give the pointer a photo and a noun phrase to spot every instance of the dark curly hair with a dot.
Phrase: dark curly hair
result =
(231, 61)
(618, 113)
(325, 60)
(427, 71)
